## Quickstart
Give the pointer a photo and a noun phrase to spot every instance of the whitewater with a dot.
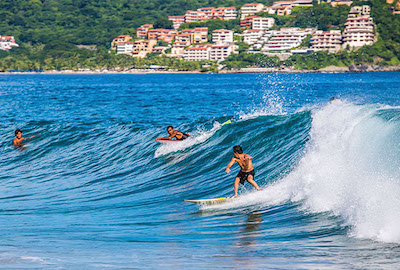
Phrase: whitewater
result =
(93, 190)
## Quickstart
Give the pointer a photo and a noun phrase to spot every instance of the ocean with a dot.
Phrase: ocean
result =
(93, 190)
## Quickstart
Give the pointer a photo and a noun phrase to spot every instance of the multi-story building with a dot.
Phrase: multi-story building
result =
(177, 20)
(124, 47)
(199, 34)
(191, 16)
(252, 36)
(357, 11)
(279, 10)
(205, 13)
(7, 43)
(222, 36)
(250, 9)
(197, 53)
(221, 52)
(160, 49)
(330, 41)
(225, 13)
(120, 38)
(141, 32)
(167, 35)
(256, 22)
(359, 31)
(142, 47)
(286, 39)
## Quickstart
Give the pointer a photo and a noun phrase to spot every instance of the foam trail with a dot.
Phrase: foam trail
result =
(194, 138)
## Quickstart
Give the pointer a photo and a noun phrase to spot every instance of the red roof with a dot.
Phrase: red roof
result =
(251, 4)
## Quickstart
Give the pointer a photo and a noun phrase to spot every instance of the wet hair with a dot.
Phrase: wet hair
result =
(17, 131)
(169, 127)
(237, 149)
(332, 99)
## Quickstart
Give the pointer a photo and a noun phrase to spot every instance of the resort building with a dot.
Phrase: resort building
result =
(120, 38)
(256, 22)
(335, 3)
(160, 49)
(167, 35)
(252, 36)
(177, 21)
(142, 47)
(330, 41)
(141, 32)
(359, 31)
(286, 39)
(124, 47)
(221, 52)
(197, 53)
(222, 36)
(250, 9)
(279, 10)
(205, 13)
(199, 34)
(357, 11)
(7, 43)
(225, 13)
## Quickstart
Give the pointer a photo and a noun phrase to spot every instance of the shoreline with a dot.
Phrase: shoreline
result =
(329, 69)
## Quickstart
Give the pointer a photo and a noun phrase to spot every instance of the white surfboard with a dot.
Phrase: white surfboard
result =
(210, 201)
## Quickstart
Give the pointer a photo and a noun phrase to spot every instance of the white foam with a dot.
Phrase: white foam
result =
(195, 137)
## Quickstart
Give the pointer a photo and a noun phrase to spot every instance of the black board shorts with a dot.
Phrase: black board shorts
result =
(244, 175)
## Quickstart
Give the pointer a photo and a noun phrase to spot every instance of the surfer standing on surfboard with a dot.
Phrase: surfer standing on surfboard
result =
(246, 168)
(180, 136)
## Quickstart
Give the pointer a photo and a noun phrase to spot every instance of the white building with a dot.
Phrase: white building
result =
(262, 23)
(177, 21)
(225, 13)
(221, 36)
(252, 36)
(330, 41)
(221, 52)
(197, 53)
(359, 31)
(7, 43)
(125, 47)
(250, 9)
(286, 39)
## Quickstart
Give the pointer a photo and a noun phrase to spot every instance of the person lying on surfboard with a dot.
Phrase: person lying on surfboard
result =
(180, 136)
(246, 168)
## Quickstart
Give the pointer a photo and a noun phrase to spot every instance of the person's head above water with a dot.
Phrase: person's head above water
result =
(333, 99)
(18, 133)
(237, 149)
(170, 129)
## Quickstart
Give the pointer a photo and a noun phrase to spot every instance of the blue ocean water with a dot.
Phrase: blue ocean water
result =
(93, 190)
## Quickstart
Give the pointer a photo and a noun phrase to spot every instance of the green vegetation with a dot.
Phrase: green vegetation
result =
(63, 56)
(48, 31)
(237, 61)
(91, 21)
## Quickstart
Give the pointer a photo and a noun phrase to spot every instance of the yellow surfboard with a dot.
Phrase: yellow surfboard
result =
(210, 201)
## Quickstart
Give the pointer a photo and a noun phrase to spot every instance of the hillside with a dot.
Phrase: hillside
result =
(90, 21)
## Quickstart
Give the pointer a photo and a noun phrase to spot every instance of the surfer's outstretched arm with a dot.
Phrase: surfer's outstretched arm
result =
(228, 168)
(167, 138)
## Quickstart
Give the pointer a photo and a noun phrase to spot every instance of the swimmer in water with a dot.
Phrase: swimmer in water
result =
(18, 140)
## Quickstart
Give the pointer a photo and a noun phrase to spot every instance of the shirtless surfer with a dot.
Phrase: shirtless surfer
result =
(246, 168)
(180, 136)
(18, 138)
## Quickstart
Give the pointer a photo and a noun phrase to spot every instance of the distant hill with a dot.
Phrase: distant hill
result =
(91, 21)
